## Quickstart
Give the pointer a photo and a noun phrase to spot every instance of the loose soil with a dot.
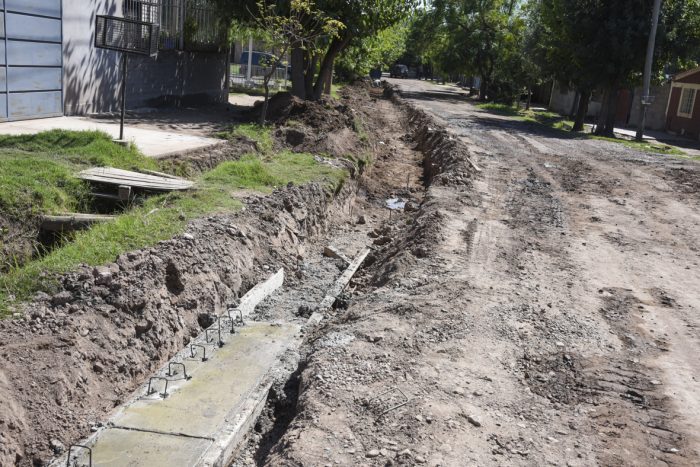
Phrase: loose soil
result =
(539, 311)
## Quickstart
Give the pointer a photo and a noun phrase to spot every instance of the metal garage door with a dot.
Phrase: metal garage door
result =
(31, 59)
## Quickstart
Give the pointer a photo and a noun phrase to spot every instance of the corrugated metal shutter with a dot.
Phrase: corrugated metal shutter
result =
(31, 59)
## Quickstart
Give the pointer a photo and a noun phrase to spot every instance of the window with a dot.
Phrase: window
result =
(685, 106)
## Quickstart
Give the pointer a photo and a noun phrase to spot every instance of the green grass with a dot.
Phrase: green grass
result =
(37, 172)
(262, 135)
(643, 146)
(557, 122)
(335, 90)
(162, 217)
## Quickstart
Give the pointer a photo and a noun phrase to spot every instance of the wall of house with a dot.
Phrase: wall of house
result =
(683, 125)
(656, 113)
(92, 77)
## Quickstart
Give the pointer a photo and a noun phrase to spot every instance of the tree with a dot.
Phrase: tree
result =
(312, 72)
(381, 49)
(301, 24)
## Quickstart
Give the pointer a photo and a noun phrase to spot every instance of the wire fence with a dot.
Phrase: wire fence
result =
(240, 77)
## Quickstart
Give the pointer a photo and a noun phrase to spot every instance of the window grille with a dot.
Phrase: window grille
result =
(685, 106)
(147, 11)
(126, 35)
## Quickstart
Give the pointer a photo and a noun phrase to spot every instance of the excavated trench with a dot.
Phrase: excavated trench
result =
(80, 352)
(435, 156)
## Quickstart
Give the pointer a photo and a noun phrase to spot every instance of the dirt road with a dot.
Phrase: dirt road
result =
(545, 312)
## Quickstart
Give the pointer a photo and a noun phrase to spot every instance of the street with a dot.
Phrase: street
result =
(544, 314)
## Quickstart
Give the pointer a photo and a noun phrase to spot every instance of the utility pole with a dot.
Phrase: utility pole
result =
(645, 98)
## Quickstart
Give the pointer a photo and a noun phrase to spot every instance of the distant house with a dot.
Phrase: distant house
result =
(683, 111)
(49, 65)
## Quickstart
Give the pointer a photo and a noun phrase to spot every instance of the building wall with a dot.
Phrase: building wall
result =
(562, 101)
(92, 77)
(656, 113)
(683, 125)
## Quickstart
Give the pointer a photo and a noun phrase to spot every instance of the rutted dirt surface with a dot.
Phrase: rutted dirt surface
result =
(541, 311)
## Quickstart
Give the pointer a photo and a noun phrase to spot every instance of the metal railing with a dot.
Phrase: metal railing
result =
(184, 24)
(240, 76)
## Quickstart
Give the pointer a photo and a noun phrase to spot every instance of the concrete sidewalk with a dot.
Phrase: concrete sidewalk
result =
(152, 142)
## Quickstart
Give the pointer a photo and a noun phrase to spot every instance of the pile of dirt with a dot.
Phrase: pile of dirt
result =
(78, 353)
(327, 126)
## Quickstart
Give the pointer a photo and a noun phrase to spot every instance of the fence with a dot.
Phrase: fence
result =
(239, 76)
(184, 24)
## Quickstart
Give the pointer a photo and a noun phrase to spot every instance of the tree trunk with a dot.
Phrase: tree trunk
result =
(326, 71)
(606, 123)
(266, 102)
(311, 64)
(582, 110)
(483, 90)
(328, 85)
(298, 72)
(529, 98)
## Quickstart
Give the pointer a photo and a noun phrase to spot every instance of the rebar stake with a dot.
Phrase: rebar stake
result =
(70, 448)
(152, 391)
(184, 370)
(193, 353)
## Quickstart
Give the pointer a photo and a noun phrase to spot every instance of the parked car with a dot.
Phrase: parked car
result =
(399, 71)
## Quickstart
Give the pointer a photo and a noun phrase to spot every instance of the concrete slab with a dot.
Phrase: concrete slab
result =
(152, 142)
(260, 292)
(200, 406)
(119, 448)
(202, 416)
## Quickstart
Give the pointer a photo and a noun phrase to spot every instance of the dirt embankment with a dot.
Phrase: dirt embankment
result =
(77, 354)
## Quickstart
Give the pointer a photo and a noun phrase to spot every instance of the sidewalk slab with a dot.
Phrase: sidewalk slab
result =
(153, 143)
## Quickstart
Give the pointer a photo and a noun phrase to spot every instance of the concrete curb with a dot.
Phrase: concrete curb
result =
(337, 288)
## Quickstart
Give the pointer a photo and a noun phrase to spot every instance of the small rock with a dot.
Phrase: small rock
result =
(473, 420)
(98, 368)
(382, 240)
(372, 453)
(420, 459)
(56, 446)
(61, 298)
(188, 236)
(362, 220)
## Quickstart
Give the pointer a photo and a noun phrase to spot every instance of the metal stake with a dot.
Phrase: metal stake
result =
(184, 370)
(82, 447)
(125, 57)
(193, 353)
(151, 391)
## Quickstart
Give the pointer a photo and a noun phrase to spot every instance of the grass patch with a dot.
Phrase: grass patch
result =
(335, 90)
(37, 172)
(262, 135)
(644, 146)
(557, 122)
(359, 127)
(162, 217)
